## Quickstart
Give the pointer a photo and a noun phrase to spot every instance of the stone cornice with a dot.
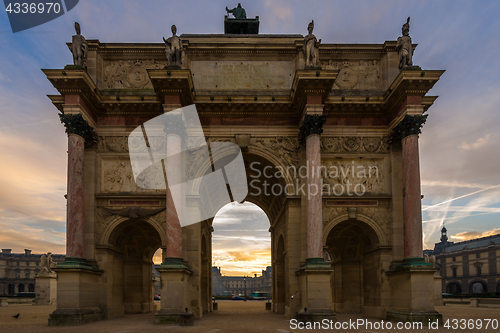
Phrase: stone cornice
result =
(173, 82)
(311, 82)
(76, 82)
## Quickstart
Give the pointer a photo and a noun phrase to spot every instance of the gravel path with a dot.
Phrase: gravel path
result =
(232, 316)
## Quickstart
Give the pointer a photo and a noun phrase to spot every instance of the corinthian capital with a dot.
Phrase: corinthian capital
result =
(75, 124)
(312, 124)
(410, 125)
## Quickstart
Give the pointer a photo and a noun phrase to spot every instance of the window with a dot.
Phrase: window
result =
(454, 258)
(478, 270)
(478, 255)
(454, 272)
(37, 263)
(27, 263)
(28, 275)
(18, 263)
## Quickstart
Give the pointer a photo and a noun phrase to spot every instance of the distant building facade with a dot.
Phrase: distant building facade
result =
(18, 271)
(468, 267)
(241, 285)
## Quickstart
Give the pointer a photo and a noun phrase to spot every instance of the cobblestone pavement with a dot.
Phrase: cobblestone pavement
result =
(232, 316)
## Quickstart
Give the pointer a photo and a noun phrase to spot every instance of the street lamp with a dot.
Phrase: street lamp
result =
(245, 283)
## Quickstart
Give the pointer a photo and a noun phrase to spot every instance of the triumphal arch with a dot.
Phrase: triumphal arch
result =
(329, 137)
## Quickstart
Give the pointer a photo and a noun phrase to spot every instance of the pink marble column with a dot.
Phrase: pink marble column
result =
(314, 200)
(310, 130)
(412, 206)
(174, 169)
(76, 209)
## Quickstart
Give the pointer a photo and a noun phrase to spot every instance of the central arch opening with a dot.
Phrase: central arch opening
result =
(133, 244)
(241, 252)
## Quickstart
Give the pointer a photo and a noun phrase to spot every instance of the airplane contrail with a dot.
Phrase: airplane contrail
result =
(463, 196)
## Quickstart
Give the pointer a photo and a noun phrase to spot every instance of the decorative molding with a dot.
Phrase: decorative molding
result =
(285, 148)
(352, 144)
(112, 144)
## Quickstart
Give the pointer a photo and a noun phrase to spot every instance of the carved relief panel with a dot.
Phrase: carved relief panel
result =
(342, 176)
(126, 74)
(360, 74)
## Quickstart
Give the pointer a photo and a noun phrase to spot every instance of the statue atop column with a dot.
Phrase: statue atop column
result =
(173, 49)
(79, 47)
(310, 48)
(404, 47)
(46, 263)
(238, 12)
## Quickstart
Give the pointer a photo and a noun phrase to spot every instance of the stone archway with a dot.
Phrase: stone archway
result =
(453, 288)
(477, 287)
(130, 249)
(354, 248)
(264, 118)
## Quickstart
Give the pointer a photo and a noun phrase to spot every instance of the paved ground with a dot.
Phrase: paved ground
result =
(232, 316)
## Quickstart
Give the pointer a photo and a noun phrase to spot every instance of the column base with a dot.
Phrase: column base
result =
(46, 289)
(314, 292)
(78, 296)
(412, 285)
(311, 317)
(174, 275)
(174, 263)
(75, 263)
(315, 264)
(181, 318)
(72, 317)
(424, 317)
(414, 263)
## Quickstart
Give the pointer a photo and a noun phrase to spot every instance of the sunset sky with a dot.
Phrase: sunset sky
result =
(459, 145)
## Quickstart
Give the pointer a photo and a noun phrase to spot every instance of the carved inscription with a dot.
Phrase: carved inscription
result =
(232, 75)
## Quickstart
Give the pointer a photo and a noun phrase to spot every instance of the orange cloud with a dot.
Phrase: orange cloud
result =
(468, 235)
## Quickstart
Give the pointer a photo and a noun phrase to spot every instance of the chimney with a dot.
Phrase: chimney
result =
(6, 251)
(27, 252)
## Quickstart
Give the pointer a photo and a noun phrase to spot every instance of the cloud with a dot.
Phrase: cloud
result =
(481, 142)
(468, 235)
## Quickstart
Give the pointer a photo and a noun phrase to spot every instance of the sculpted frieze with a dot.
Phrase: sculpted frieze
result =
(361, 74)
(117, 176)
(284, 148)
(355, 176)
(351, 144)
(127, 74)
(112, 144)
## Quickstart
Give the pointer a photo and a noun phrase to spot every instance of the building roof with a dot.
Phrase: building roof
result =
(473, 243)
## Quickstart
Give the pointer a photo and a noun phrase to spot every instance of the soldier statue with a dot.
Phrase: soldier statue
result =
(404, 47)
(79, 47)
(238, 12)
(310, 47)
(173, 48)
